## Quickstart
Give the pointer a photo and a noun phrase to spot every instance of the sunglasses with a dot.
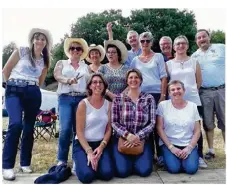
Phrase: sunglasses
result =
(143, 41)
(76, 48)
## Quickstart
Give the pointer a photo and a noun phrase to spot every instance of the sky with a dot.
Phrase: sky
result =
(16, 23)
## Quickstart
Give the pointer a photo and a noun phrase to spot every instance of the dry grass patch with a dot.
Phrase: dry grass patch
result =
(45, 153)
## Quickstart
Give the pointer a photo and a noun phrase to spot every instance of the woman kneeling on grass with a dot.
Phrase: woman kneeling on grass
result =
(179, 130)
(91, 151)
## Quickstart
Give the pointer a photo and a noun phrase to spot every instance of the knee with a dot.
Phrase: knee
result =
(86, 177)
(107, 175)
(144, 172)
(173, 169)
(123, 172)
(16, 126)
(191, 170)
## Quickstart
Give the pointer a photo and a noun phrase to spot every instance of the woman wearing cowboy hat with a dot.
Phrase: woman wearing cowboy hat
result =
(71, 75)
(114, 71)
(95, 56)
(24, 72)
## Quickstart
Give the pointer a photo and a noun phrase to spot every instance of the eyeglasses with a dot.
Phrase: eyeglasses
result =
(179, 43)
(112, 52)
(96, 82)
(76, 48)
(165, 44)
(143, 41)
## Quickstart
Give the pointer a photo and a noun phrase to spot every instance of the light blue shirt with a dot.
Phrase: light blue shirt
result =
(212, 63)
(153, 71)
(132, 55)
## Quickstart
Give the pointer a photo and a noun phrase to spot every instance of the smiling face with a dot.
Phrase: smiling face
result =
(95, 56)
(39, 41)
(180, 46)
(165, 46)
(97, 85)
(133, 39)
(176, 91)
(203, 40)
(134, 81)
(75, 50)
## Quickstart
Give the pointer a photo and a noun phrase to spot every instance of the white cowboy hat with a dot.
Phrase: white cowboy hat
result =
(120, 46)
(81, 41)
(44, 32)
(99, 48)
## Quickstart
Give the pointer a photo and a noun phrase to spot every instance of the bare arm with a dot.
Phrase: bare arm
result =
(11, 63)
(163, 89)
(58, 73)
(198, 76)
(196, 135)
(109, 30)
(80, 125)
(108, 126)
(43, 76)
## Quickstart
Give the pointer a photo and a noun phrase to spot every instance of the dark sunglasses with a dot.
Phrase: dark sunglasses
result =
(143, 41)
(76, 48)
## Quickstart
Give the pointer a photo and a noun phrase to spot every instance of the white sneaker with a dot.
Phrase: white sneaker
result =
(26, 169)
(202, 163)
(8, 174)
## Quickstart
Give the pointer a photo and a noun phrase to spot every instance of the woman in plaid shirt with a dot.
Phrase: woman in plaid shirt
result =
(133, 118)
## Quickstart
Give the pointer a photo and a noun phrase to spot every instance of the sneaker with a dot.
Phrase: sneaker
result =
(160, 161)
(26, 169)
(202, 163)
(74, 169)
(209, 155)
(8, 174)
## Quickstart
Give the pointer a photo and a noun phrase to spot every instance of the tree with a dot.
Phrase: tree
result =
(165, 22)
(218, 37)
(7, 51)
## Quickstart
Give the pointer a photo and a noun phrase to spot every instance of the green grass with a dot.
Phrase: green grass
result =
(45, 153)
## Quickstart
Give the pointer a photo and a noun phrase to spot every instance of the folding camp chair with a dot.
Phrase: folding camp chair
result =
(45, 125)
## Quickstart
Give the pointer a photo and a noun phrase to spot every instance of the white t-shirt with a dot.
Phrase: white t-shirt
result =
(186, 73)
(178, 123)
(96, 121)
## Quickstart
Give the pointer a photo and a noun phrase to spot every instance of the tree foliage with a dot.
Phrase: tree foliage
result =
(218, 37)
(7, 51)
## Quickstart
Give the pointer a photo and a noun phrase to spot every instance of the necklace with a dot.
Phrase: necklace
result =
(182, 62)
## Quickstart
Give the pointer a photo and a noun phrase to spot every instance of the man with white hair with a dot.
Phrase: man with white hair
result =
(165, 44)
(211, 58)
(132, 39)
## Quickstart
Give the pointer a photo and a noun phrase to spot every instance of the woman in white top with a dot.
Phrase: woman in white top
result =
(179, 130)
(93, 130)
(24, 72)
(187, 70)
(71, 75)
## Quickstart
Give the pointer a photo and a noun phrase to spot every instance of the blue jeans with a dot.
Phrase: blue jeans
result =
(85, 173)
(67, 123)
(125, 165)
(20, 99)
(177, 165)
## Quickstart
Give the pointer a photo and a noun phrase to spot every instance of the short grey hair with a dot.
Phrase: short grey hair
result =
(166, 38)
(130, 32)
(147, 35)
(180, 37)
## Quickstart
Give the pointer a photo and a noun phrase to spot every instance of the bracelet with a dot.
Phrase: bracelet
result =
(190, 146)
(104, 142)
(170, 147)
(163, 95)
(89, 149)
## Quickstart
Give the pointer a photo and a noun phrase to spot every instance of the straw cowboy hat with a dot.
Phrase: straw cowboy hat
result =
(99, 48)
(120, 46)
(81, 41)
(44, 32)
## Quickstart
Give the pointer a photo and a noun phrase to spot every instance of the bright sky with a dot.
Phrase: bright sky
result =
(18, 22)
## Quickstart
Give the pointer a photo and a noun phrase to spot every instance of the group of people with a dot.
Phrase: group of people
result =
(129, 98)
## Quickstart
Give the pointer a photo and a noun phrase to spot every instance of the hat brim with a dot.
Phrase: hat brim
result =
(44, 32)
(120, 46)
(100, 49)
(81, 41)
